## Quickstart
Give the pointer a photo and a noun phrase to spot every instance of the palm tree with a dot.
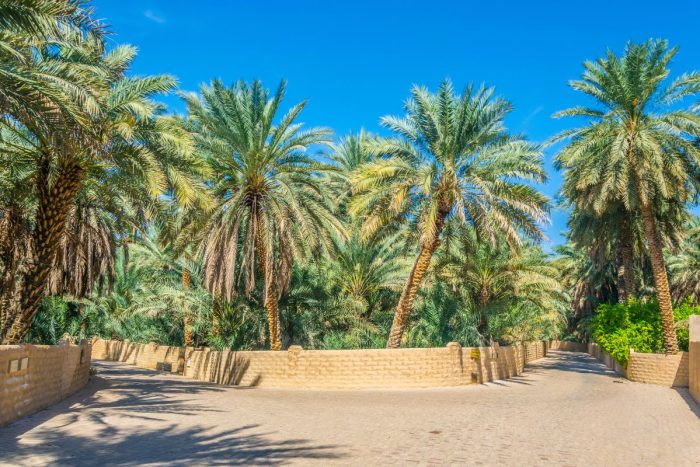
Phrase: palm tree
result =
(271, 205)
(493, 278)
(636, 150)
(351, 152)
(125, 148)
(610, 238)
(684, 267)
(588, 280)
(452, 157)
(41, 91)
(360, 271)
(167, 275)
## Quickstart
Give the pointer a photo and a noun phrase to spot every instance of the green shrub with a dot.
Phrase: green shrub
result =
(635, 324)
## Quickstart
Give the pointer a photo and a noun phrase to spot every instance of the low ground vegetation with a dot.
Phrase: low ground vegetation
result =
(635, 324)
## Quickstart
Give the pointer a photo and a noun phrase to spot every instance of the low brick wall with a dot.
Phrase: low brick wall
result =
(568, 346)
(453, 365)
(694, 357)
(661, 369)
(141, 355)
(33, 377)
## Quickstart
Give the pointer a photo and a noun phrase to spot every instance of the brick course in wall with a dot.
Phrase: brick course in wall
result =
(33, 377)
(694, 357)
(142, 355)
(569, 346)
(665, 370)
(452, 365)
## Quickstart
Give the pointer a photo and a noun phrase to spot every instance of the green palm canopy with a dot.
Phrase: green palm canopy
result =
(452, 157)
(637, 148)
(272, 207)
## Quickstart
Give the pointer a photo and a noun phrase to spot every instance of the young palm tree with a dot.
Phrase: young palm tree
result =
(493, 278)
(636, 149)
(168, 276)
(452, 157)
(271, 205)
(360, 271)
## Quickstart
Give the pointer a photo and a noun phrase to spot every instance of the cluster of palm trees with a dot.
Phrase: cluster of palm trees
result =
(237, 225)
(83, 146)
(633, 168)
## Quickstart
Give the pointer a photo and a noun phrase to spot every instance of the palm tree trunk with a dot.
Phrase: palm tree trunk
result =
(620, 277)
(483, 327)
(269, 294)
(408, 295)
(663, 292)
(55, 202)
(13, 248)
(187, 328)
(627, 284)
(216, 316)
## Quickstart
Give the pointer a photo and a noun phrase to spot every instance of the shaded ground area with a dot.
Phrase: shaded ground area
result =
(567, 409)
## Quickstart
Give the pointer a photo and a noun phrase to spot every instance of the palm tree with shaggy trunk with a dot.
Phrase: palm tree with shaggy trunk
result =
(637, 149)
(271, 204)
(452, 158)
(122, 136)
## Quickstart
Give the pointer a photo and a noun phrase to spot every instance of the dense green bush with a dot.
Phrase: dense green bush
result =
(635, 324)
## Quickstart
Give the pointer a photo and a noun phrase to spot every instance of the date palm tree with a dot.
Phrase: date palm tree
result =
(42, 91)
(637, 148)
(271, 207)
(125, 146)
(684, 266)
(610, 238)
(493, 278)
(452, 157)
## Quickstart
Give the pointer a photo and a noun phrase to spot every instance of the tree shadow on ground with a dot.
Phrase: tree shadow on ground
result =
(125, 407)
(167, 445)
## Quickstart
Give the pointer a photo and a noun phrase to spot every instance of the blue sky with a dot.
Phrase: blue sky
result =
(356, 60)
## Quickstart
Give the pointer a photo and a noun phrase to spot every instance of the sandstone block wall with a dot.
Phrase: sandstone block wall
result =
(661, 369)
(596, 351)
(665, 370)
(33, 377)
(694, 357)
(337, 369)
(569, 346)
(141, 355)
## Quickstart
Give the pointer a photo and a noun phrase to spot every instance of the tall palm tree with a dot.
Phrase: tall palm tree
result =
(637, 149)
(617, 237)
(42, 92)
(125, 146)
(271, 205)
(452, 157)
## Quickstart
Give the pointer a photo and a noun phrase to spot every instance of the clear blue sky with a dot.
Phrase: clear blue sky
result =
(356, 60)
